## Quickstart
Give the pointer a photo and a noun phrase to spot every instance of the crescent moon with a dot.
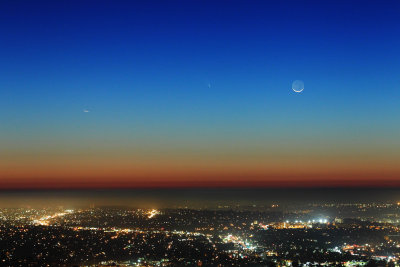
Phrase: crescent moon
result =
(298, 86)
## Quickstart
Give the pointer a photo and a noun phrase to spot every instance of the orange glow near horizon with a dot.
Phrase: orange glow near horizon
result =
(217, 167)
(201, 178)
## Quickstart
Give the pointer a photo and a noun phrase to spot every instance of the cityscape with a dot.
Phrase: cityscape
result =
(277, 234)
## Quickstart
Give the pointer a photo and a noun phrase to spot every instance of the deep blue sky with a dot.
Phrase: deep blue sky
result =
(143, 68)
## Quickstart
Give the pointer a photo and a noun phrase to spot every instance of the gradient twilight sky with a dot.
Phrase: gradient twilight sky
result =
(198, 93)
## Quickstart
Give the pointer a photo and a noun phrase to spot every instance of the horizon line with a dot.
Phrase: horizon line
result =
(226, 184)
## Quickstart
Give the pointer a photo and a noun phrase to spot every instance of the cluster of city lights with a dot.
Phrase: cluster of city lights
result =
(45, 220)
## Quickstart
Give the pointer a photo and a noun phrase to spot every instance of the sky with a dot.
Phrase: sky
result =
(110, 94)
